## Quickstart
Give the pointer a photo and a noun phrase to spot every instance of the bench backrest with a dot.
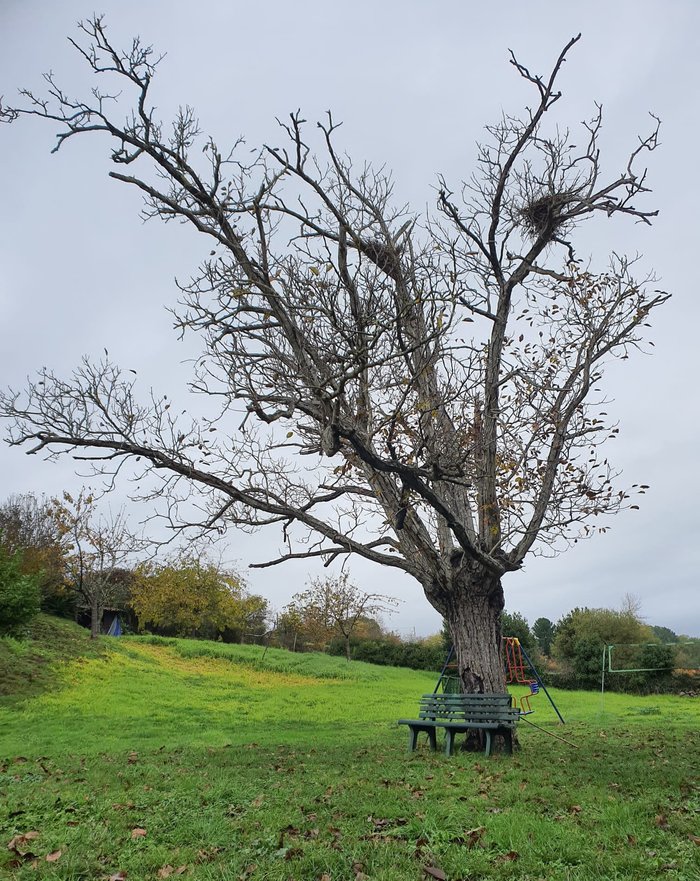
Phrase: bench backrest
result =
(469, 707)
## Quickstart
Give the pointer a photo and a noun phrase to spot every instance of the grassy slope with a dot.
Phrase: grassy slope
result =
(294, 766)
(28, 666)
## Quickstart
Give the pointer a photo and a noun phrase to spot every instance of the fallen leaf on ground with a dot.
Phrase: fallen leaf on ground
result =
(165, 871)
(661, 820)
(509, 857)
(695, 839)
(18, 844)
(138, 832)
(118, 876)
(434, 872)
(205, 856)
(471, 838)
(53, 857)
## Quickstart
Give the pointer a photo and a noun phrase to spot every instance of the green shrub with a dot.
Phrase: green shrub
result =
(19, 594)
(387, 652)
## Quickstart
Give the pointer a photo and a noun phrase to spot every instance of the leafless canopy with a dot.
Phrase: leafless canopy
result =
(418, 390)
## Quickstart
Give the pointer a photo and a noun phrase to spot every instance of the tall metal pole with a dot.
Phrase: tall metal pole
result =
(444, 667)
(541, 684)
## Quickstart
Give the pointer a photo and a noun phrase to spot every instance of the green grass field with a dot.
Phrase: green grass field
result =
(146, 759)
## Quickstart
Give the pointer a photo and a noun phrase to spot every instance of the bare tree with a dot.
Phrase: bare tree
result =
(99, 547)
(419, 391)
(336, 606)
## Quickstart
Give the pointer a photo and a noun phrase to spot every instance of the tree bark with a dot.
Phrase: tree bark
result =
(473, 613)
(347, 649)
(94, 619)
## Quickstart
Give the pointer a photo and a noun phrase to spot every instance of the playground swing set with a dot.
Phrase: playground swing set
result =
(519, 670)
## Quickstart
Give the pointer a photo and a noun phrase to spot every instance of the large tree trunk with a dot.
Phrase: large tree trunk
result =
(472, 608)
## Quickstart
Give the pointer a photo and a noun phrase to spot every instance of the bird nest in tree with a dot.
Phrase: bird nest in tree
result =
(385, 257)
(543, 214)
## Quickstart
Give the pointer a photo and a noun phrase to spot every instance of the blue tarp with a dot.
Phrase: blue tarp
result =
(115, 628)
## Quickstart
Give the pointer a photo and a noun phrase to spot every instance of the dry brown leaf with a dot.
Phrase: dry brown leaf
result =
(165, 872)
(205, 856)
(19, 845)
(132, 758)
(325, 877)
(434, 872)
(359, 871)
(118, 876)
(180, 870)
(258, 801)
(695, 839)
(138, 832)
(53, 857)
(509, 857)
(661, 820)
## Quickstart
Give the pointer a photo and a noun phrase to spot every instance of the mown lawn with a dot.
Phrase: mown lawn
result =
(153, 759)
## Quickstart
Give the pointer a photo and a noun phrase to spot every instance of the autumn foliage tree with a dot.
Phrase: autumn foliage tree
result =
(194, 597)
(19, 593)
(28, 526)
(421, 390)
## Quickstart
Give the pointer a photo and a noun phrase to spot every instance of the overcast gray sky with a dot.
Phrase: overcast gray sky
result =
(414, 83)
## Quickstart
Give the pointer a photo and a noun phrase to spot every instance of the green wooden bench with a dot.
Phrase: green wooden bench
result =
(459, 713)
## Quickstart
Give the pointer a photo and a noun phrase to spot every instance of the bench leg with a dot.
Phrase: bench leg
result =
(412, 738)
(508, 740)
(449, 741)
(432, 738)
(488, 742)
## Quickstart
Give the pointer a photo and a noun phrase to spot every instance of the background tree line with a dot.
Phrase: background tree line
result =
(65, 558)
